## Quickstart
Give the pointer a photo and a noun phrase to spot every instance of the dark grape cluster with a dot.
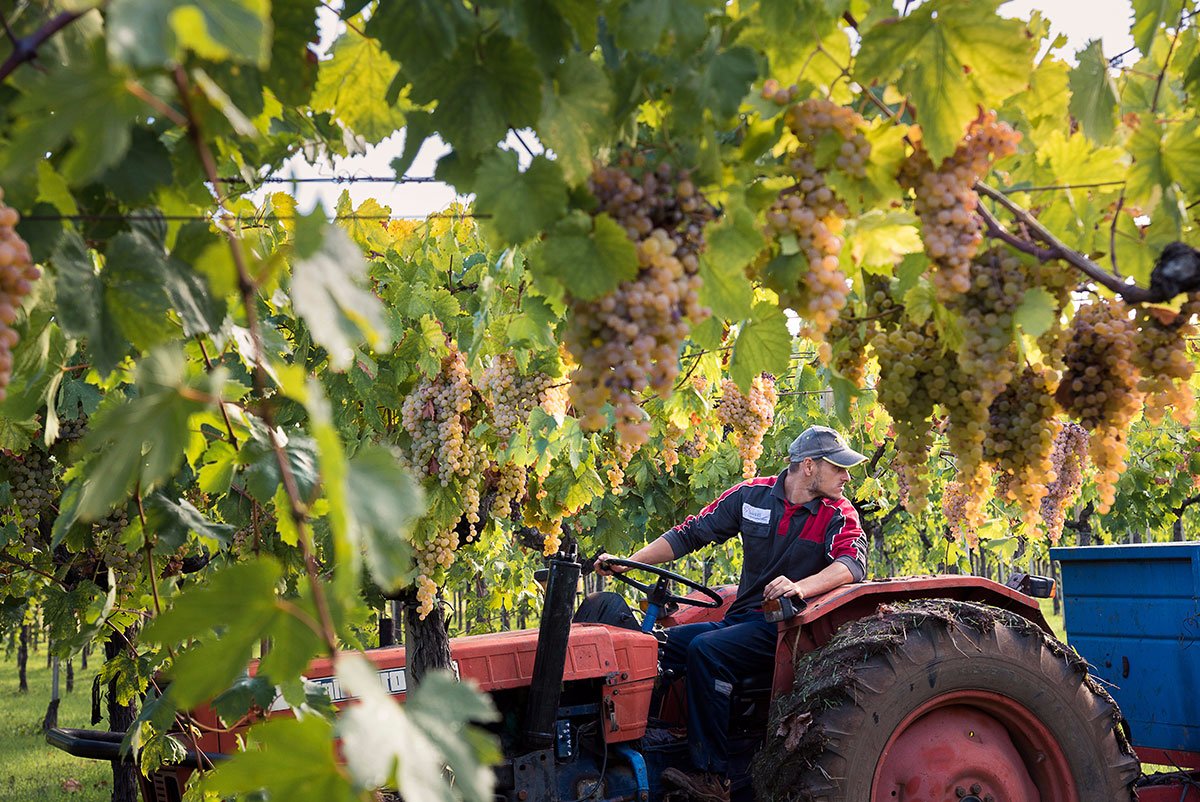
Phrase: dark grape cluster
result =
(34, 486)
(1068, 459)
(628, 341)
(17, 274)
(1021, 433)
(946, 200)
(811, 211)
(749, 415)
(72, 430)
(1100, 387)
(1163, 360)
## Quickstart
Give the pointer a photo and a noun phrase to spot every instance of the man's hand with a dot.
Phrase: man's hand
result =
(781, 586)
(604, 568)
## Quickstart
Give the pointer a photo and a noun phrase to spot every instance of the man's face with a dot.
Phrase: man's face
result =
(828, 479)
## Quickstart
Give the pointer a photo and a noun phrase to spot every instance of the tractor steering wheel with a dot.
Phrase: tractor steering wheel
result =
(664, 576)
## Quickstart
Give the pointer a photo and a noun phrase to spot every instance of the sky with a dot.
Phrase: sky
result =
(1080, 20)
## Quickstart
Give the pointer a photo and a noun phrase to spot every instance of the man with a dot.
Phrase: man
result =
(800, 537)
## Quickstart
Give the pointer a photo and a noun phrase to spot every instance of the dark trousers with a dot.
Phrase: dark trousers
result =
(716, 655)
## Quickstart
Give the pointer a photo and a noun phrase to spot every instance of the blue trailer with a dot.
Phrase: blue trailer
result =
(1133, 612)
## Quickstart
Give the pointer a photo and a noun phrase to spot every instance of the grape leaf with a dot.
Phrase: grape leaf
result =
(950, 58)
(82, 102)
(1037, 312)
(384, 503)
(785, 29)
(574, 121)
(290, 759)
(1149, 17)
(763, 345)
(733, 242)
(589, 256)
(1094, 94)
(521, 204)
(641, 24)
(327, 293)
(157, 33)
(293, 68)
(483, 92)
(351, 87)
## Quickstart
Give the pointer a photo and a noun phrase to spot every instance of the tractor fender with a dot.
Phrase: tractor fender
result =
(823, 615)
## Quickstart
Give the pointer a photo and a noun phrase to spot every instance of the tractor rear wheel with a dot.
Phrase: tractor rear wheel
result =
(943, 700)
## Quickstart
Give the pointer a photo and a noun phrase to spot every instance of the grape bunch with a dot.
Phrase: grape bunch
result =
(72, 430)
(749, 415)
(671, 439)
(812, 213)
(622, 453)
(434, 556)
(1164, 363)
(954, 507)
(435, 416)
(985, 364)
(1068, 458)
(1022, 428)
(946, 200)
(511, 397)
(17, 275)
(1099, 388)
(849, 360)
(628, 341)
(125, 564)
(911, 370)
(34, 487)
(1060, 282)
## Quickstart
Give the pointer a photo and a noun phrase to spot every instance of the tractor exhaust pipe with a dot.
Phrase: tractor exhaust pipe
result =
(545, 689)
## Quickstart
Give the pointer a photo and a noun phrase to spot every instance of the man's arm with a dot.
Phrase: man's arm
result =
(655, 552)
(825, 580)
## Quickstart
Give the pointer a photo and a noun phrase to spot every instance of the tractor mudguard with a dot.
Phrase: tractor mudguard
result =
(817, 623)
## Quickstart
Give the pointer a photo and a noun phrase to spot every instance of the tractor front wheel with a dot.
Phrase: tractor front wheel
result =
(941, 700)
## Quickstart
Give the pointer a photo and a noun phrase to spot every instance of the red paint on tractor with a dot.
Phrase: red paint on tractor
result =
(973, 742)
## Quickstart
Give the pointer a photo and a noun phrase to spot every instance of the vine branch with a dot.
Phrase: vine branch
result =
(25, 48)
(248, 291)
(1055, 248)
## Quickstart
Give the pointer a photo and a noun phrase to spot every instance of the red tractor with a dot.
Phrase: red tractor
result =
(940, 689)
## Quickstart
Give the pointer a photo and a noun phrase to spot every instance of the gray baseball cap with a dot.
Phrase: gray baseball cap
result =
(821, 442)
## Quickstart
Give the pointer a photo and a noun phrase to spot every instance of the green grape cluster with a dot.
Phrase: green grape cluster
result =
(433, 558)
(749, 415)
(812, 213)
(1164, 363)
(628, 341)
(1100, 387)
(1022, 427)
(1060, 281)
(912, 375)
(17, 275)
(34, 487)
(946, 200)
(1068, 459)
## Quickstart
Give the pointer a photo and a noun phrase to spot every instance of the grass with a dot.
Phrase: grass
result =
(30, 769)
(1055, 621)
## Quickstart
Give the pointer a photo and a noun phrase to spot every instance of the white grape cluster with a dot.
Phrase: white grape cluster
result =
(749, 415)
(946, 200)
(628, 341)
(433, 558)
(1099, 388)
(511, 398)
(434, 415)
(812, 212)
(1163, 360)
(671, 439)
(17, 274)
(954, 507)
(1021, 435)
(622, 454)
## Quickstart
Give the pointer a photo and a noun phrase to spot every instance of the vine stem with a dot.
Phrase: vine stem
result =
(25, 48)
(248, 290)
(1055, 249)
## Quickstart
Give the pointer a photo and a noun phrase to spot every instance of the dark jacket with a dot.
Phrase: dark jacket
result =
(778, 538)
